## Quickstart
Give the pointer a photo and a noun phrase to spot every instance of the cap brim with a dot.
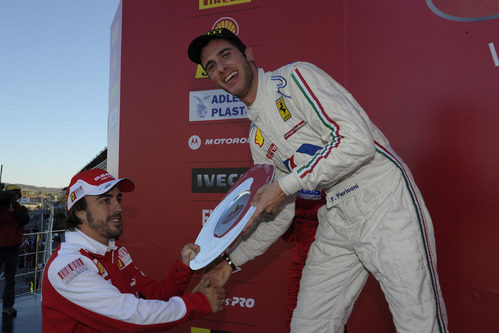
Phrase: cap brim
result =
(126, 185)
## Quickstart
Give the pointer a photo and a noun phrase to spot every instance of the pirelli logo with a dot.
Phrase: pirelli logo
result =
(207, 4)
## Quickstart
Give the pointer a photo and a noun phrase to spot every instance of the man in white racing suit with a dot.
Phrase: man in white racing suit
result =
(374, 220)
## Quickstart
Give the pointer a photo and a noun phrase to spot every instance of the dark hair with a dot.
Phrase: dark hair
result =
(72, 221)
(238, 45)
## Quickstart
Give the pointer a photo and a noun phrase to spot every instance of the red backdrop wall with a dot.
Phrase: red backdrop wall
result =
(428, 80)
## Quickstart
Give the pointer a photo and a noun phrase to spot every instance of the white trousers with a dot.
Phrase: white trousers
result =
(385, 230)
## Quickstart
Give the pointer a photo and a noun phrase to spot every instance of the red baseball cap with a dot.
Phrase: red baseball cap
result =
(94, 182)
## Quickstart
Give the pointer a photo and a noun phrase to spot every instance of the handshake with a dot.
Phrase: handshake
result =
(212, 281)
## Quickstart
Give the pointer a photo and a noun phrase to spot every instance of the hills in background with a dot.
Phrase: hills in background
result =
(38, 189)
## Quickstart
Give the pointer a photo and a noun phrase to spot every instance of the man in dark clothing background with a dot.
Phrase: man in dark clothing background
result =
(13, 218)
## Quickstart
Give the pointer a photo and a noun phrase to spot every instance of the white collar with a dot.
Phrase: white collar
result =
(89, 243)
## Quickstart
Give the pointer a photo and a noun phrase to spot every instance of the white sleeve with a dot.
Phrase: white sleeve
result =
(83, 286)
(266, 231)
(340, 123)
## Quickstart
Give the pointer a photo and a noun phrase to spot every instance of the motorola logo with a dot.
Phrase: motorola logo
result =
(194, 142)
(215, 180)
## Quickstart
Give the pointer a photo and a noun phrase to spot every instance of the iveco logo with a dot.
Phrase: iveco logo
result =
(215, 180)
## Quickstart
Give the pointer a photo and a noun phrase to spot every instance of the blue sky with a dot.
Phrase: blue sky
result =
(54, 85)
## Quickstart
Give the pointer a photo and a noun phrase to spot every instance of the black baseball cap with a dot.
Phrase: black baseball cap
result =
(198, 43)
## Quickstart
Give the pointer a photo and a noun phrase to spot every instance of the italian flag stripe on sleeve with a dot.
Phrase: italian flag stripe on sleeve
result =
(324, 118)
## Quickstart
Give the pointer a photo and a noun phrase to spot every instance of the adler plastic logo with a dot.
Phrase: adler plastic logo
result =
(207, 4)
(215, 105)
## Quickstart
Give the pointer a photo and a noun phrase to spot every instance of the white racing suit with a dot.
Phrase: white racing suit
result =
(375, 220)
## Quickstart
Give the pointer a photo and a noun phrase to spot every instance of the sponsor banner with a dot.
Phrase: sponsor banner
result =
(207, 4)
(205, 214)
(215, 180)
(215, 104)
(227, 22)
(195, 142)
(200, 73)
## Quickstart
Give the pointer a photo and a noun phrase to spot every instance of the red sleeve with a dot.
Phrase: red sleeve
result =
(197, 305)
(174, 284)
(178, 279)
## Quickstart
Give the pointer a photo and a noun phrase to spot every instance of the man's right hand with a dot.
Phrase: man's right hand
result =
(219, 272)
(267, 200)
(214, 293)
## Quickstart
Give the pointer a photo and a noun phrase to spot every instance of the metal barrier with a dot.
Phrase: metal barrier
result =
(35, 250)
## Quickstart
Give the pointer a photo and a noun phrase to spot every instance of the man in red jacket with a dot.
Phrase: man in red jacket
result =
(13, 218)
(91, 284)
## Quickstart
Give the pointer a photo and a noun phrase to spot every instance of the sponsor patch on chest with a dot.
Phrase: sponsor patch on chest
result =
(258, 137)
(271, 151)
(283, 109)
(100, 268)
(72, 270)
(124, 258)
(295, 129)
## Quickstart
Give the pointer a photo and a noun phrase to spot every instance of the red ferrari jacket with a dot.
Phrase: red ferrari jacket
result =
(90, 287)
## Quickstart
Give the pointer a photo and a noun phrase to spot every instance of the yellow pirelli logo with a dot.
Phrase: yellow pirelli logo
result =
(207, 4)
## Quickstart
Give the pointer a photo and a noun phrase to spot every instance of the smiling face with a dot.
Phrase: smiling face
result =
(102, 218)
(230, 69)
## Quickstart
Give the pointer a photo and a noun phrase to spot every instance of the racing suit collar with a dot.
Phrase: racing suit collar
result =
(259, 99)
(88, 243)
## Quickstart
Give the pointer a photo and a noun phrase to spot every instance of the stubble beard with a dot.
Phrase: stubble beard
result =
(103, 228)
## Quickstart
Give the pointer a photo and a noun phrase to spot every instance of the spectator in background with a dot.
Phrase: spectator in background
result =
(91, 284)
(13, 218)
